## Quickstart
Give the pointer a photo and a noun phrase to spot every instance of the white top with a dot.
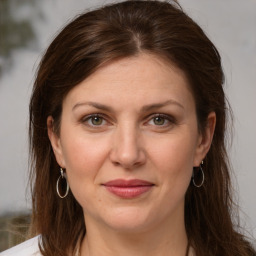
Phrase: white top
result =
(27, 248)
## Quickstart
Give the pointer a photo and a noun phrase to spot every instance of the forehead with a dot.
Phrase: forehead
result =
(143, 77)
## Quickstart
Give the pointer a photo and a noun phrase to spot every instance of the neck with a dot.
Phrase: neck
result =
(165, 240)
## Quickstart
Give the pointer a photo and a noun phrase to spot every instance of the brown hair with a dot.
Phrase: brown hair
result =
(107, 34)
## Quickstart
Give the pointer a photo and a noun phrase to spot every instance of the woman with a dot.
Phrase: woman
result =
(128, 111)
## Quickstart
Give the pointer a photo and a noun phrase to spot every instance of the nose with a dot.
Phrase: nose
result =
(127, 148)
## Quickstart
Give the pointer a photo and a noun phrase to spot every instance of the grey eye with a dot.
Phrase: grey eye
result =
(96, 120)
(158, 120)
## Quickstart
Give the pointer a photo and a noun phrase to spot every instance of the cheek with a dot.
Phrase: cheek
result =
(173, 158)
(83, 152)
(84, 157)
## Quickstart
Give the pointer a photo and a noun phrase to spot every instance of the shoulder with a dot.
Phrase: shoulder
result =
(27, 248)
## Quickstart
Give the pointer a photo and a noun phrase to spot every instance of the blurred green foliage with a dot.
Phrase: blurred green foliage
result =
(13, 33)
(13, 230)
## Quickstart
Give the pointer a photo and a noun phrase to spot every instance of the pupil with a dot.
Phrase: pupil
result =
(159, 120)
(97, 120)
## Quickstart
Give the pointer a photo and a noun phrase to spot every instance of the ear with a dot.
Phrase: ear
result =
(205, 139)
(55, 142)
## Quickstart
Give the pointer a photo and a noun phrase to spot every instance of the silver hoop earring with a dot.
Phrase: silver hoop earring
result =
(62, 177)
(202, 174)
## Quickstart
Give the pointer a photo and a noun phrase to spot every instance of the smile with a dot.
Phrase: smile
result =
(128, 188)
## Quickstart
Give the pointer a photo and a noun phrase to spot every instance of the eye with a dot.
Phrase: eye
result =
(94, 120)
(161, 120)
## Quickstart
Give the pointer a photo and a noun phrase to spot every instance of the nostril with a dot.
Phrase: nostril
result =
(127, 152)
(116, 163)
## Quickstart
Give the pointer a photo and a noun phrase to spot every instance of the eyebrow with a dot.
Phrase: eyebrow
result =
(144, 108)
(93, 104)
(162, 104)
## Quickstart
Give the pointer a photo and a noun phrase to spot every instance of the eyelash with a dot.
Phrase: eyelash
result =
(86, 119)
(170, 119)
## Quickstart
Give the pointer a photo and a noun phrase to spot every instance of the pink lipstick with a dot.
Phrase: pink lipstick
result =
(128, 188)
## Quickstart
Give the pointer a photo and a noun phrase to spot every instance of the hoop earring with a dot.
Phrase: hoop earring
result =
(193, 176)
(62, 176)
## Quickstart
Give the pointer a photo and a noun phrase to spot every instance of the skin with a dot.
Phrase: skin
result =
(128, 141)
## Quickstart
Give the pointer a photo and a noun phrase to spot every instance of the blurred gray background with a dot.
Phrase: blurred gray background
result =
(28, 26)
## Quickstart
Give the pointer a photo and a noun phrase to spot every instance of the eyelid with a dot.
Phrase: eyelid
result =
(168, 117)
(85, 119)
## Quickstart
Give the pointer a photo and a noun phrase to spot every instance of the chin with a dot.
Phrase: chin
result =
(128, 220)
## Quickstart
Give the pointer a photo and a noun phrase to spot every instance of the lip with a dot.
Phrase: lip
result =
(128, 188)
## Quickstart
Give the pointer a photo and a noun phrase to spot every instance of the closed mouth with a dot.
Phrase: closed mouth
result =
(128, 188)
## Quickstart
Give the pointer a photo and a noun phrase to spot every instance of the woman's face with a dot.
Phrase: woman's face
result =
(128, 141)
